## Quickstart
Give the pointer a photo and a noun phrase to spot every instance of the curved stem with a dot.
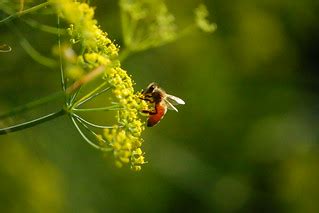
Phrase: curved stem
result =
(34, 54)
(91, 124)
(44, 28)
(93, 96)
(32, 104)
(60, 56)
(52, 97)
(86, 138)
(32, 123)
(74, 96)
(87, 96)
(91, 131)
(17, 14)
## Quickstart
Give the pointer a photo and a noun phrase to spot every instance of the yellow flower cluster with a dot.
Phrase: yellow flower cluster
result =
(147, 23)
(92, 60)
(125, 136)
(84, 27)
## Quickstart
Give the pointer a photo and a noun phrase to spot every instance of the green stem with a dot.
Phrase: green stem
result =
(86, 138)
(17, 14)
(32, 104)
(91, 124)
(44, 28)
(89, 94)
(44, 100)
(92, 132)
(63, 84)
(32, 123)
(109, 108)
(35, 55)
(93, 96)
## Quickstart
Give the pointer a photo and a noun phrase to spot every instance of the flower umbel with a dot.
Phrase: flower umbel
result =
(88, 56)
(146, 24)
(98, 52)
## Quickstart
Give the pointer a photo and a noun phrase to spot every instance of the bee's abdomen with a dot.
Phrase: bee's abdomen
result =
(154, 119)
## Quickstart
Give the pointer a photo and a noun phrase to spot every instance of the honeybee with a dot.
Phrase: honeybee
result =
(162, 101)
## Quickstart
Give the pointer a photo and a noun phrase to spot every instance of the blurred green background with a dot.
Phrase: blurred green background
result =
(246, 140)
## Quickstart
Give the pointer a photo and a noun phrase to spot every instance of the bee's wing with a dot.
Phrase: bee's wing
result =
(172, 100)
(170, 106)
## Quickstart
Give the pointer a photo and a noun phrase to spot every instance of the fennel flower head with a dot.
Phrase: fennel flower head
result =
(93, 49)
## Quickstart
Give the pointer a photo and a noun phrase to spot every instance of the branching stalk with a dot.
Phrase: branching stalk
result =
(32, 104)
(91, 124)
(32, 123)
(87, 139)
(93, 96)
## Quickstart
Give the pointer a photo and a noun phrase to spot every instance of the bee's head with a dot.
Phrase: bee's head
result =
(153, 93)
(150, 89)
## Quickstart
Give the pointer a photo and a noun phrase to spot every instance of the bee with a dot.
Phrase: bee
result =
(162, 101)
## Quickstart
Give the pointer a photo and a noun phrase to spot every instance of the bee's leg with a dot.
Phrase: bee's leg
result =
(153, 113)
(150, 112)
(147, 99)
